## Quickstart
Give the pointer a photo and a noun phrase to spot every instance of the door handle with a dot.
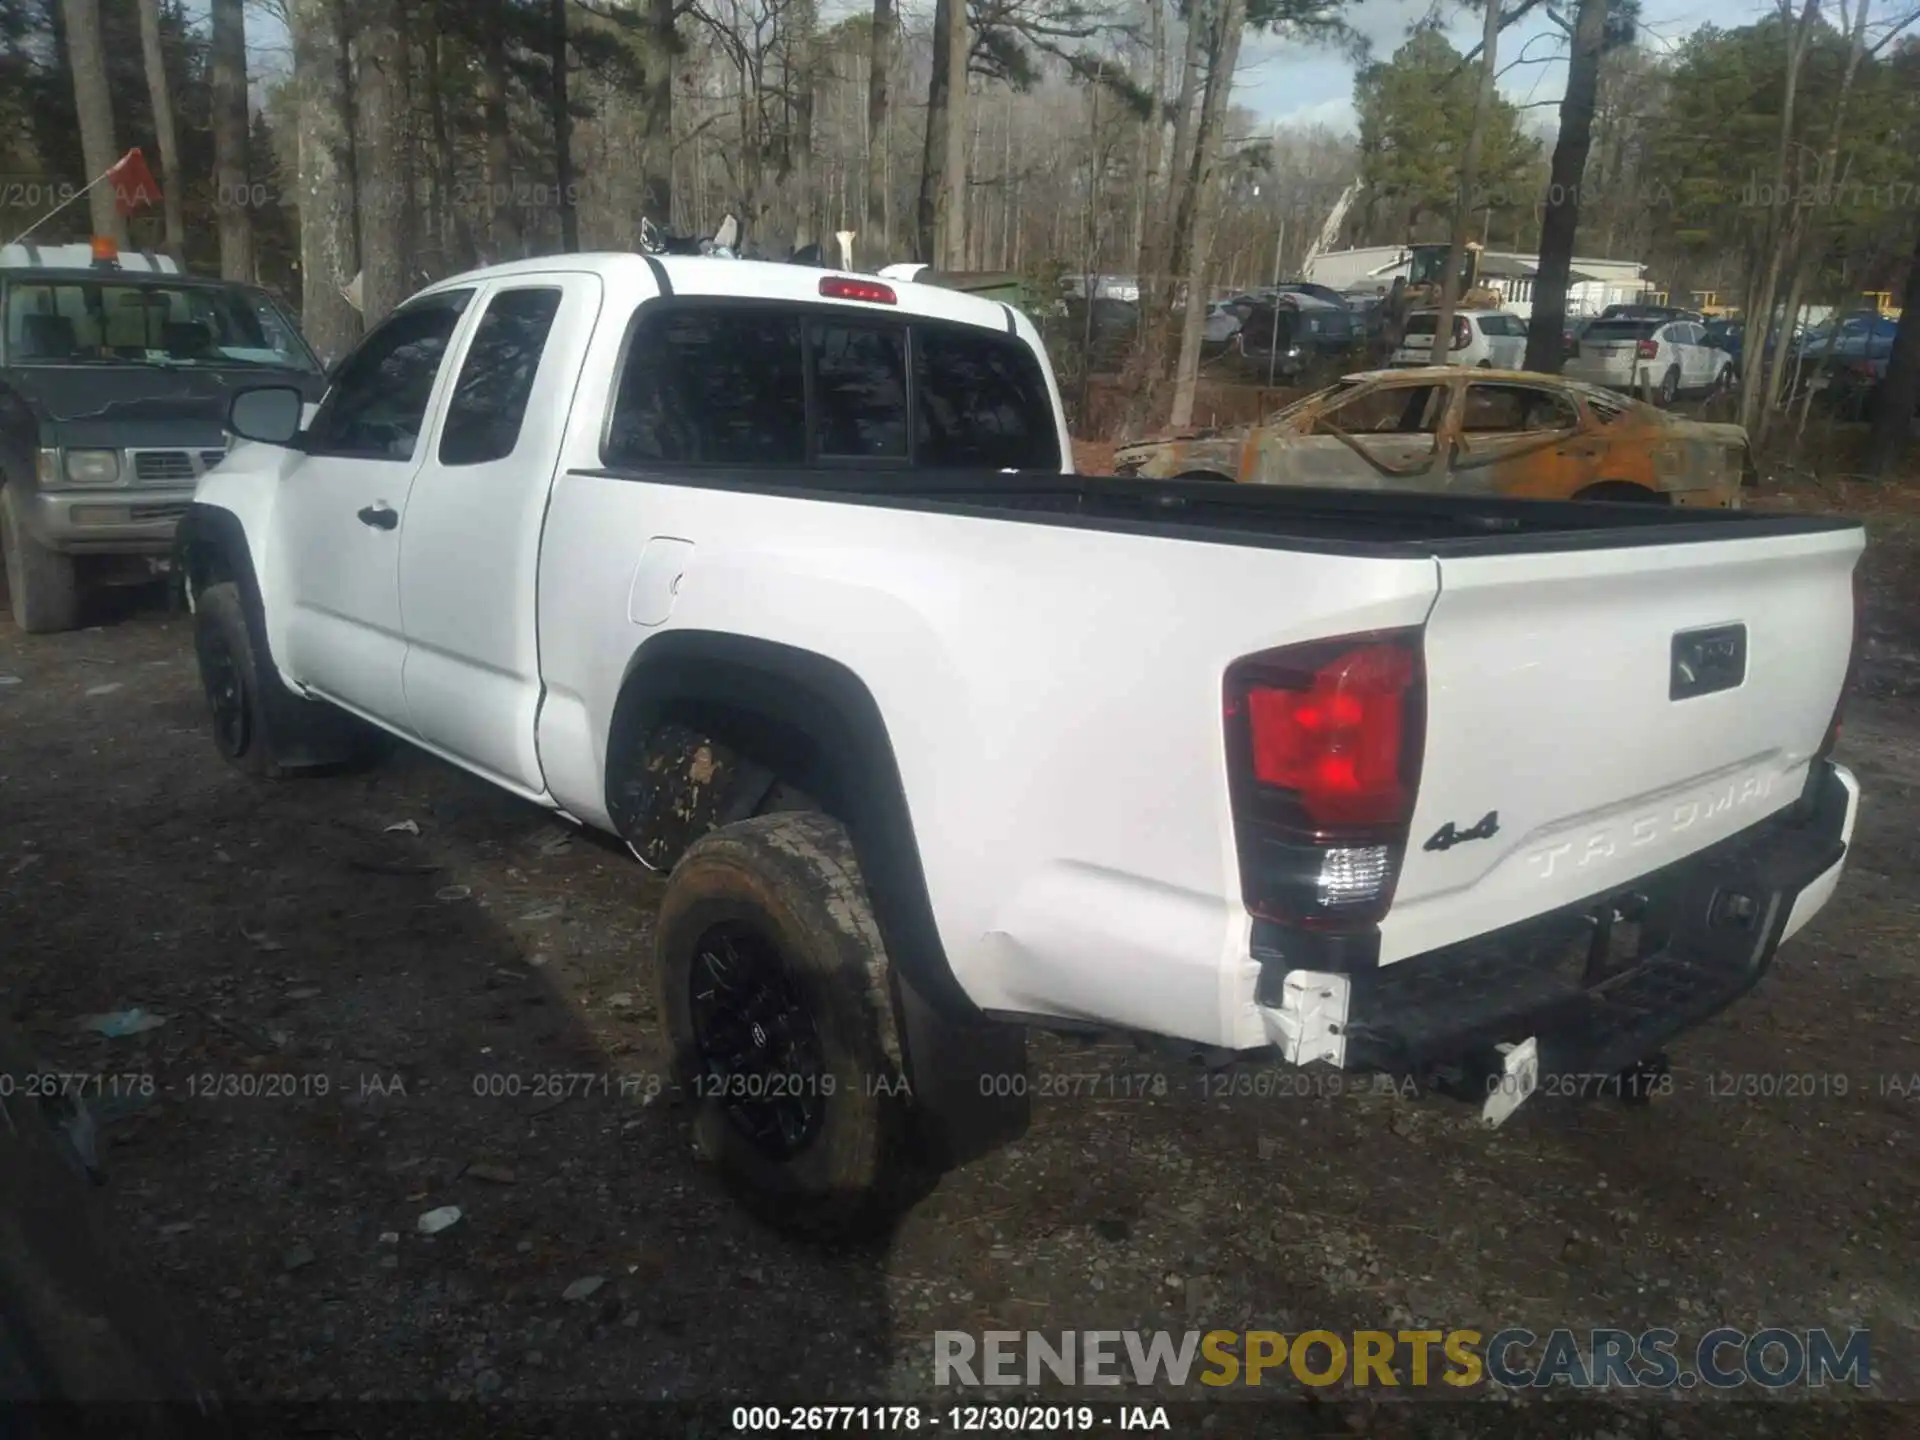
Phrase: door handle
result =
(380, 516)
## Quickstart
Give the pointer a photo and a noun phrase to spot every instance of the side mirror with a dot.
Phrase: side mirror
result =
(268, 414)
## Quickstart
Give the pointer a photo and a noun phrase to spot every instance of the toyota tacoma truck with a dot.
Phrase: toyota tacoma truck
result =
(783, 578)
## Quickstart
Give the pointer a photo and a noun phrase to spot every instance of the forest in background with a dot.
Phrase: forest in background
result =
(310, 142)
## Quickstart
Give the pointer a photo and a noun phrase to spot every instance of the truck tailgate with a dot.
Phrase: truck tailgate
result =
(1615, 708)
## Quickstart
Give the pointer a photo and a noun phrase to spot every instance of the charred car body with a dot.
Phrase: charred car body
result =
(1496, 432)
(115, 375)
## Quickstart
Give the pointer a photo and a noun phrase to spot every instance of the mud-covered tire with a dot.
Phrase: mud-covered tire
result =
(43, 591)
(766, 936)
(260, 726)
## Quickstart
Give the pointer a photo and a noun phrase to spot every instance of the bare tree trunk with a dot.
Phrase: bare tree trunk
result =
(86, 51)
(663, 46)
(1900, 390)
(562, 112)
(1183, 107)
(1233, 17)
(380, 85)
(1796, 229)
(1760, 318)
(1559, 225)
(329, 247)
(1212, 115)
(162, 97)
(933, 152)
(801, 50)
(1147, 180)
(440, 162)
(503, 213)
(950, 216)
(877, 242)
(1469, 181)
(230, 130)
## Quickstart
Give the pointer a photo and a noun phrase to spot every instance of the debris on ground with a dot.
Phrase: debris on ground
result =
(434, 1221)
(118, 1024)
(403, 827)
(584, 1288)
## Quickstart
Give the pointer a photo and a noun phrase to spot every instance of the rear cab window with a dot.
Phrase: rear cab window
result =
(790, 386)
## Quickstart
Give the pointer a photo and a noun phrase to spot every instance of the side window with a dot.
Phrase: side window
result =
(981, 403)
(378, 402)
(496, 379)
(1388, 410)
(718, 386)
(859, 390)
(1509, 408)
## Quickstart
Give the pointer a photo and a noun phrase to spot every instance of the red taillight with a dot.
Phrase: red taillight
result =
(1647, 350)
(839, 287)
(1324, 741)
(1462, 334)
(1337, 744)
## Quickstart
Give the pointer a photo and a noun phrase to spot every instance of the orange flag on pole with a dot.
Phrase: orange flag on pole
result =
(134, 187)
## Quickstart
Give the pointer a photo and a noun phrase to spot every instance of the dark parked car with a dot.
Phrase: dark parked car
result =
(1297, 334)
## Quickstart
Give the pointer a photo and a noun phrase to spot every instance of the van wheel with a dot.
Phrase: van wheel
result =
(776, 994)
(42, 590)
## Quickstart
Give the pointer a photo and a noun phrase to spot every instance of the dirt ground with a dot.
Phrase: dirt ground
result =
(358, 1022)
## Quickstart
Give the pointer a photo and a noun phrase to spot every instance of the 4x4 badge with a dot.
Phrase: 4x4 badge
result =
(1446, 837)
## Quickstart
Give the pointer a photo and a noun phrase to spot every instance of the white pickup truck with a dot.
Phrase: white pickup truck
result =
(782, 577)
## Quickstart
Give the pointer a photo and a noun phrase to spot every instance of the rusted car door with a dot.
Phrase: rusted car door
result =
(1520, 439)
(1384, 436)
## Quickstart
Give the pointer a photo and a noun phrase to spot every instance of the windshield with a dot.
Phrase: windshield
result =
(118, 322)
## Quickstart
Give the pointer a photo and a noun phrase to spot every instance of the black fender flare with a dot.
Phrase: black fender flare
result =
(828, 723)
(209, 547)
(823, 719)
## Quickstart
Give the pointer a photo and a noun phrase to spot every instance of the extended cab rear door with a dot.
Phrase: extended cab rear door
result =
(470, 555)
(1618, 705)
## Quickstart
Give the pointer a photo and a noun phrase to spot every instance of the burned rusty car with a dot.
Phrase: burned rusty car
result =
(1502, 432)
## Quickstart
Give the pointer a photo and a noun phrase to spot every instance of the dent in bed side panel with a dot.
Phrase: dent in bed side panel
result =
(1052, 698)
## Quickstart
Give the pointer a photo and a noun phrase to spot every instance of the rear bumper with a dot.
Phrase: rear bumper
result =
(109, 521)
(1602, 985)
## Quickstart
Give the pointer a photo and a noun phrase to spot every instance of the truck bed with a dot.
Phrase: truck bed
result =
(1375, 524)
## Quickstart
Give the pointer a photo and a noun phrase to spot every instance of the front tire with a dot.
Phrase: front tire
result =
(230, 679)
(42, 589)
(259, 725)
(776, 994)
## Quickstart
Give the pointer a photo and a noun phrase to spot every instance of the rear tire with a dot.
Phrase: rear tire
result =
(42, 589)
(776, 994)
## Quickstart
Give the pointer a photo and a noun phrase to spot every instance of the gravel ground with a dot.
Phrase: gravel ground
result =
(363, 1025)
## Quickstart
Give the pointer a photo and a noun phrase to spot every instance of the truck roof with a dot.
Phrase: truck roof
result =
(29, 255)
(764, 279)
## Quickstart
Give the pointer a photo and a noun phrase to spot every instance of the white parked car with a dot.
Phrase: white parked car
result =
(1489, 339)
(782, 577)
(1661, 359)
